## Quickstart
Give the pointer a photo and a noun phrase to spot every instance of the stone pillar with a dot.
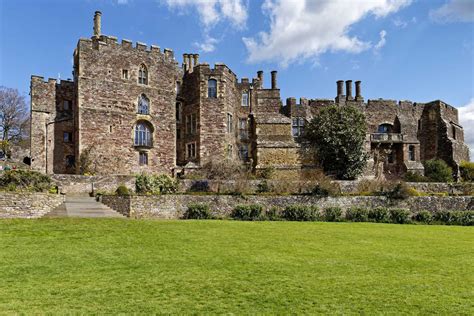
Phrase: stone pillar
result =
(260, 78)
(358, 96)
(97, 16)
(274, 79)
(349, 90)
(196, 59)
(340, 87)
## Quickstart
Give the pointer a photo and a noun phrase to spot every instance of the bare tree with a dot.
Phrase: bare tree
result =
(14, 118)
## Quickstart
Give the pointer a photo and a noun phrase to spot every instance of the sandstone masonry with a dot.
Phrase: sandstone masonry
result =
(132, 109)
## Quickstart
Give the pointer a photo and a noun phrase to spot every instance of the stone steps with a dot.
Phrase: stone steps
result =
(83, 207)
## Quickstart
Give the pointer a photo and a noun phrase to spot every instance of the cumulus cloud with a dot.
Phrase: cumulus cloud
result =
(208, 45)
(307, 28)
(454, 11)
(382, 41)
(466, 118)
(213, 11)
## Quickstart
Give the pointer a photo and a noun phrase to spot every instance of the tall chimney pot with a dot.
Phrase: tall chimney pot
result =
(349, 90)
(196, 59)
(358, 91)
(274, 79)
(260, 78)
(97, 16)
(340, 87)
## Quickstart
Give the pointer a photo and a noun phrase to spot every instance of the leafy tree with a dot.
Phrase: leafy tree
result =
(338, 134)
(438, 170)
(14, 118)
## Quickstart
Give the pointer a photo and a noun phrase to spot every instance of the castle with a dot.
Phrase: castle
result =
(132, 109)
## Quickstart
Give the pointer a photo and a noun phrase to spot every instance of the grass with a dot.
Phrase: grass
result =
(125, 266)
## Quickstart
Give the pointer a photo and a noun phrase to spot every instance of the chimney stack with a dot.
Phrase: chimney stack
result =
(349, 90)
(274, 79)
(97, 16)
(190, 62)
(185, 61)
(260, 78)
(340, 88)
(196, 59)
(358, 92)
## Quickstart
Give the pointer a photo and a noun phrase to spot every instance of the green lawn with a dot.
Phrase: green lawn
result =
(130, 266)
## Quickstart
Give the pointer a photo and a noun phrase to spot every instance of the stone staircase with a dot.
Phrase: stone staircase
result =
(83, 207)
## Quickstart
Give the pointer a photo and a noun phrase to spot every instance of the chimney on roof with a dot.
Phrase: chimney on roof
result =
(358, 91)
(274, 79)
(196, 59)
(260, 78)
(349, 90)
(97, 16)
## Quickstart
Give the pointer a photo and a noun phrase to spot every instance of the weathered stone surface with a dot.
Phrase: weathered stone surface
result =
(174, 206)
(77, 184)
(27, 205)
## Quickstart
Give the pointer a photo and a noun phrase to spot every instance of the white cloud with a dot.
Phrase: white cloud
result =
(307, 28)
(213, 11)
(454, 11)
(122, 1)
(209, 44)
(398, 22)
(382, 41)
(466, 118)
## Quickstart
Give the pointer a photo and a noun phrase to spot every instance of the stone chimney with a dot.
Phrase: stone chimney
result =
(190, 63)
(196, 59)
(274, 79)
(340, 87)
(260, 78)
(97, 16)
(358, 92)
(349, 90)
(185, 62)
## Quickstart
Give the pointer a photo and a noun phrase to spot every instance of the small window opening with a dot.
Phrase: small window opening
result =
(411, 153)
(143, 75)
(124, 74)
(297, 126)
(212, 88)
(67, 137)
(70, 161)
(230, 123)
(245, 99)
(143, 158)
(191, 150)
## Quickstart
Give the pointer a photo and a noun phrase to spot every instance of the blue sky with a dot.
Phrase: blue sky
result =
(418, 50)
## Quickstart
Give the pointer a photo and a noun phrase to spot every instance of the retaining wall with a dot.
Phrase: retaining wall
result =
(78, 184)
(27, 204)
(174, 206)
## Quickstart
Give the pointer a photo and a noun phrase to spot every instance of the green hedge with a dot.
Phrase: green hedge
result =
(251, 212)
(198, 211)
(301, 213)
(357, 214)
(13, 180)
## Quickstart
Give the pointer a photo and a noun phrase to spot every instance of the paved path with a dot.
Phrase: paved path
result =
(83, 206)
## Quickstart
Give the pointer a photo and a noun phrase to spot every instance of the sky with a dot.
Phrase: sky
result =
(419, 50)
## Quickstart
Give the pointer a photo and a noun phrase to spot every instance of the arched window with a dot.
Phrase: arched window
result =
(143, 105)
(212, 88)
(143, 74)
(385, 128)
(143, 135)
(411, 153)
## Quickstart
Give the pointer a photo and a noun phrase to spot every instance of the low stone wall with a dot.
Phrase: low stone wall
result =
(78, 184)
(299, 187)
(174, 206)
(27, 205)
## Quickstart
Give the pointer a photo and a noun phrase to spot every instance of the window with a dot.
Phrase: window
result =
(191, 150)
(178, 133)
(143, 75)
(124, 74)
(67, 137)
(212, 88)
(70, 161)
(143, 135)
(230, 124)
(230, 149)
(191, 124)
(454, 131)
(384, 128)
(143, 105)
(178, 111)
(244, 152)
(143, 158)
(297, 126)
(67, 105)
(411, 153)
(243, 129)
(245, 99)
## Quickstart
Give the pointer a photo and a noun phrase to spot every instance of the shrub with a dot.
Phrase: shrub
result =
(156, 184)
(399, 216)
(300, 213)
(333, 214)
(247, 212)
(400, 191)
(122, 190)
(423, 217)
(415, 177)
(267, 173)
(357, 214)
(25, 180)
(263, 187)
(273, 214)
(467, 171)
(465, 218)
(197, 211)
(222, 170)
(437, 170)
(379, 215)
(200, 186)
